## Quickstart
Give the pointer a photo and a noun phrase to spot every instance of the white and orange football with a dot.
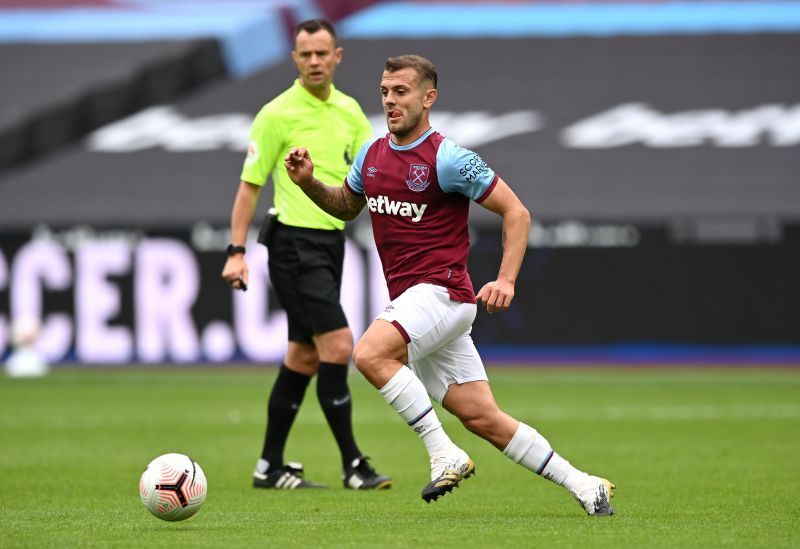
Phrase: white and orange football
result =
(173, 487)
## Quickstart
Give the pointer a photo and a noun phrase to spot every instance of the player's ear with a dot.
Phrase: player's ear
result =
(337, 54)
(430, 98)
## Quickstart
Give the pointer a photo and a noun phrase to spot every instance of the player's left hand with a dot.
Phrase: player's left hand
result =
(496, 295)
(299, 165)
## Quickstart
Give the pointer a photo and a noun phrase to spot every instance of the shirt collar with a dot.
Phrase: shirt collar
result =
(310, 98)
(419, 140)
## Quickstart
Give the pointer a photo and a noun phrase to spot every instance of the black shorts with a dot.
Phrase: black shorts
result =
(305, 268)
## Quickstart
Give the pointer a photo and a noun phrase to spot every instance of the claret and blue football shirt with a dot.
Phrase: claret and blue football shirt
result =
(418, 197)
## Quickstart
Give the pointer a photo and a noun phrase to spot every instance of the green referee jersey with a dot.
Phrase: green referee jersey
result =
(332, 131)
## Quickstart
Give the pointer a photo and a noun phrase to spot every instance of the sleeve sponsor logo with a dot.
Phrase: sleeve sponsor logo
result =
(473, 168)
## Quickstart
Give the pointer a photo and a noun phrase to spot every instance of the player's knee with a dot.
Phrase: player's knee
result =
(482, 423)
(475, 424)
(364, 358)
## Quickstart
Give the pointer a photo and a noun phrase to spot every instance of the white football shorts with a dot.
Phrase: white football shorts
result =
(440, 348)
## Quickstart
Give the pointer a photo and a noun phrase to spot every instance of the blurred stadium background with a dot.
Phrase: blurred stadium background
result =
(656, 143)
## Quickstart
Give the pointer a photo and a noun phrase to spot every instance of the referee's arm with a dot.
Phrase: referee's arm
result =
(244, 206)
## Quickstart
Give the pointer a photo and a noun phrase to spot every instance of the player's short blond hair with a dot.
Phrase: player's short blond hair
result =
(425, 69)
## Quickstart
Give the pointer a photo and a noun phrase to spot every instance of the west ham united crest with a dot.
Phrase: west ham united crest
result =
(418, 177)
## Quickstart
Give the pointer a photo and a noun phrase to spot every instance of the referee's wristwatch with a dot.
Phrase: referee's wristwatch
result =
(233, 250)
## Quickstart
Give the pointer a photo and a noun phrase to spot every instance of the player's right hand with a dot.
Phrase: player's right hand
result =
(299, 166)
(496, 295)
(236, 273)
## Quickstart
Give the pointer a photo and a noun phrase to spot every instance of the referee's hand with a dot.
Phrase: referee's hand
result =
(236, 273)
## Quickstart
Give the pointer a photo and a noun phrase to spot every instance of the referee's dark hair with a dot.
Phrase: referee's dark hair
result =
(313, 25)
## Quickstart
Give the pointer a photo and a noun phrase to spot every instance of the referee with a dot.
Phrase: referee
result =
(306, 252)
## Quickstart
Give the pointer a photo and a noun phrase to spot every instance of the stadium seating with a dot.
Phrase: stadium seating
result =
(655, 143)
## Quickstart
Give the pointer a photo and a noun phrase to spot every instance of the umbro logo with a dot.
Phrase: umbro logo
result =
(371, 171)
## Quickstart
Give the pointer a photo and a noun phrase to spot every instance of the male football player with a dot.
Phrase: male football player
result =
(417, 186)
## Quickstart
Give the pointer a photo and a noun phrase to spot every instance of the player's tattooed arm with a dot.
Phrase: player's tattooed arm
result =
(337, 201)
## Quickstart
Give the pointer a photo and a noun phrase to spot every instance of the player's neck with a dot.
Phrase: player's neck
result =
(407, 139)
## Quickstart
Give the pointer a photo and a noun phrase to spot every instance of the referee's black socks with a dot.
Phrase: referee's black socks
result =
(284, 402)
(334, 398)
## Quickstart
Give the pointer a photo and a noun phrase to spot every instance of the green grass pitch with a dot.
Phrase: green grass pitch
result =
(701, 458)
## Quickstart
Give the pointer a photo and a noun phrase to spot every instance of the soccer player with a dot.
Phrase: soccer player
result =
(417, 186)
(306, 251)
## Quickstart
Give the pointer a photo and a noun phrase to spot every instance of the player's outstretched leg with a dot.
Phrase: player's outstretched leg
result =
(474, 404)
(449, 464)
(531, 450)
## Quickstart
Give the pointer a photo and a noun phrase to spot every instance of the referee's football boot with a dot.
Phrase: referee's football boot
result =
(360, 475)
(594, 493)
(288, 477)
(447, 471)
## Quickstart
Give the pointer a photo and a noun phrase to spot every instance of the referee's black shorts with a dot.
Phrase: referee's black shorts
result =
(305, 268)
